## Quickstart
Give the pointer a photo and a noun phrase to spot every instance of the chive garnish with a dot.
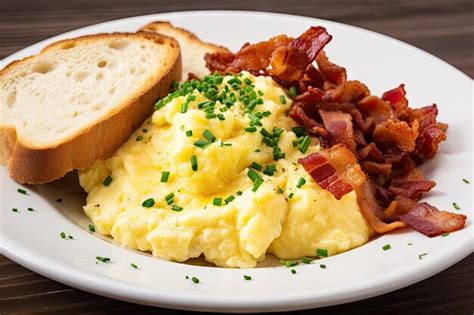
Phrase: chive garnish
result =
(22, 191)
(176, 208)
(229, 199)
(195, 280)
(250, 129)
(253, 175)
(256, 166)
(189, 133)
(301, 182)
(282, 99)
(30, 209)
(386, 247)
(321, 252)
(420, 257)
(14, 209)
(293, 271)
(248, 278)
(217, 202)
(289, 263)
(291, 195)
(247, 81)
(91, 228)
(148, 203)
(306, 260)
(322, 266)
(239, 193)
(107, 181)
(169, 198)
(144, 130)
(184, 107)
(466, 181)
(299, 131)
(445, 234)
(164, 176)
(279, 190)
(103, 259)
(201, 143)
(63, 235)
(304, 145)
(455, 206)
(211, 115)
(270, 169)
(194, 163)
(133, 265)
(209, 136)
(293, 91)
(139, 138)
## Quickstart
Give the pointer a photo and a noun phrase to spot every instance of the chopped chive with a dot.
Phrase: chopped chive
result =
(144, 130)
(187, 277)
(195, 280)
(31, 209)
(264, 132)
(270, 169)
(14, 209)
(247, 81)
(176, 208)
(420, 257)
(194, 163)
(63, 235)
(306, 260)
(250, 129)
(256, 166)
(409, 244)
(139, 138)
(456, 206)
(279, 190)
(169, 198)
(164, 176)
(289, 263)
(148, 203)
(301, 182)
(277, 154)
(229, 199)
(293, 271)
(189, 133)
(220, 116)
(184, 107)
(22, 191)
(445, 234)
(201, 143)
(239, 193)
(322, 266)
(107, 181)
(217, 202)
(70, 237)
(291, 195)
(91, 228)
(133, 265)
(248, 278)
(191, 98)
(209, 136)
(253, 175)
(256, 185)
(226, 144)
(103, 259)
(466, 181)
(386, 247)
(293, 91)
(211, 115)
(299, 131)
(321, 252)
(282, 99)
(304, 145)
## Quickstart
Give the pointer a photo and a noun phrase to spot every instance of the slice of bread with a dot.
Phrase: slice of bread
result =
(192, 48)
(80, 99)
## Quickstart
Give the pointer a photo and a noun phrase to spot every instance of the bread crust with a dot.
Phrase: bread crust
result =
(35, 165)
(153, 26)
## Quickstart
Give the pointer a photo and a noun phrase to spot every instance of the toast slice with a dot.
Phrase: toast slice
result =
(192, 48)
(80, 99)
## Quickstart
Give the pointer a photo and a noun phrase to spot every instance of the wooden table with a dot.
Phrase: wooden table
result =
(443, 28)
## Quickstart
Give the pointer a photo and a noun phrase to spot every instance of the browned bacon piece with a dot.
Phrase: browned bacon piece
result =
(431, 221)
(335, 169)
(412, 188)
(396, 98)
(329, 70)
(339, 127)
(392, 133)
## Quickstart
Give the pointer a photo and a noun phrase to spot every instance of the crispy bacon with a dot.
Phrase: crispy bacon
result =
(335, 169)
(396, 98)
(392, 133)
(431, 221)
(330, 71)
(339, 127)
(412, 188)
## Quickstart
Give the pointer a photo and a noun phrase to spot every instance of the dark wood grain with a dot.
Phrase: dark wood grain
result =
(443, 28)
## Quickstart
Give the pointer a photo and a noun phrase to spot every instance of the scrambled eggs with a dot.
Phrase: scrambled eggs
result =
(220, 178)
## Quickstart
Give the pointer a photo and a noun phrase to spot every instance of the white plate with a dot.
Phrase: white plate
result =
(31, 238)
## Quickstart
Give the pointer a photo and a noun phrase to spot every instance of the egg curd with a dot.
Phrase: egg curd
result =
(214, 172)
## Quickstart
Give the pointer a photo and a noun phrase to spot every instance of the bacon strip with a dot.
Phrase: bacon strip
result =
(431, 221)
(330, 71)
(412, 188)
(339, 127)
(335, 170)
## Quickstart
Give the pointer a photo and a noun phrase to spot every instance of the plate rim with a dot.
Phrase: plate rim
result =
(70, 275)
